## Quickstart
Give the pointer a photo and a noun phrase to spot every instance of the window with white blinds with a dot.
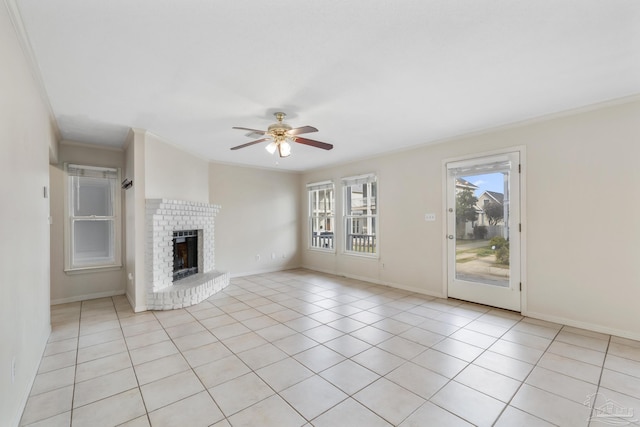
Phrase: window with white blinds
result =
(92, 211)
(321, 215)
(361, 214)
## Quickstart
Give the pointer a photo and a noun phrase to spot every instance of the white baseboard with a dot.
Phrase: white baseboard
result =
(265, 270)
(584, 325)
(87, 297)
(378, 282)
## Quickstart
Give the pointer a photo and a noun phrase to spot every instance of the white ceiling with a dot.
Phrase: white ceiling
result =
(372, 75)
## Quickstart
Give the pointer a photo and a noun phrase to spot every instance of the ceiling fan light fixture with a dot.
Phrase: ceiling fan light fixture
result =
(271, 148)
(284, 149)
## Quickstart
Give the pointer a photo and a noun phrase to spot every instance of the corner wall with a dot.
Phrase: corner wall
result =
(259, 219)
(581, 226)
(26, 139)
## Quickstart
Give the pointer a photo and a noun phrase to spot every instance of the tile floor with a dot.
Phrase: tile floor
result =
(300, 348)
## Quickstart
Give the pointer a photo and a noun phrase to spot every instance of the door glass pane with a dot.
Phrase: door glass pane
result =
(482, 227)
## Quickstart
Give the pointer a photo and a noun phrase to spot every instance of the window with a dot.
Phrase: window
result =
(92, 232)
(321, 215)
(361, 214)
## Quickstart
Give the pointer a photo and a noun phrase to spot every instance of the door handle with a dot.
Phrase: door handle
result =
(450, 236)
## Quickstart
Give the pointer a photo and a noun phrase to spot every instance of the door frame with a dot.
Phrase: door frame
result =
(523, 216)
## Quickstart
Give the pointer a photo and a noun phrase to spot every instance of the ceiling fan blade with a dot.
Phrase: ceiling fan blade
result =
(261, 132)
(301, 130)
(250, 143)
(313, 143)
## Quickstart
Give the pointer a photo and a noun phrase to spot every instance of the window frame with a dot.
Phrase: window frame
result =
(347, 182)
(312, 189)
(71, 266)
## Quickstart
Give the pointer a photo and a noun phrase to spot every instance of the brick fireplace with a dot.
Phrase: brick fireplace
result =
(165, 219)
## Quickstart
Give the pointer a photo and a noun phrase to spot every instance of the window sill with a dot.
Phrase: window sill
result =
(322, 250)
(94, 269)
(362, 255)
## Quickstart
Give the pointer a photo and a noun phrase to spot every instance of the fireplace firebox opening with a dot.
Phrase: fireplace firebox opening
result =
(185, 254)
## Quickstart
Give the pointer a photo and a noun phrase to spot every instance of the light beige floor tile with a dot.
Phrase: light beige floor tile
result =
(101, 350)
(219, 371)
(207, 313)
(421, 381)
(142, 421)
(550, 407)
(488, 382)
(620, 364)
(104, 386)
(432, 415)
(312, 396)
(61, 346)
(46, 405)
(468, 404)
(504, 365)
(111, 411)
(294, 344)
(53, 380)
(622, 383)
(206, 353)
(149, 325)
(515, 417)
(171, 318)
(378, 360)
(137, 318)
(474, 338)
(388, 400)
(625, 341)
(486, 328)
(171, 389)
(100, 337)
(347, 345)
(371, 335)
(146, 339)
(215, 322)
(598, 344)
(533, 341)
(577, 353)
(247, 314)
(564, 365)
(103, 366)
(346, 324)
(283, 374)
(440, 363)
(60, 420)
(262, 356)
(543, 331)
(275, 332)
(517, 351)
(402, 347)
(323, 333)
(160, 368)
(623, 350)
(229, 330)
(152, 352)
(608, 402)
(273, 411)
(57, 361)
(349, 413)
(244, 342)
(198, 339)
(422, 336)
(562, 385)
(454, 319)
(302, 323)
(459, 349)
(198, 410)
(349, 376)
(64, 331)
(185, 329)
(240, 393)
(392, 326)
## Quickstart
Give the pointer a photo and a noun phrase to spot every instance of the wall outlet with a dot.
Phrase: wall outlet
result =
(429, 217)
(13, 370)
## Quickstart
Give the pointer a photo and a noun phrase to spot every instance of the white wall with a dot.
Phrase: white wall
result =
(259, 216)
(171, 173)
(90, 284)
(26, 139)
(581, 256)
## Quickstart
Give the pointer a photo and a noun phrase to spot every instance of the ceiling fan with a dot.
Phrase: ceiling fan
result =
(281, 134)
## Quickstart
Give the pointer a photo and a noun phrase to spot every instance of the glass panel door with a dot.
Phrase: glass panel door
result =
(483, 241)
